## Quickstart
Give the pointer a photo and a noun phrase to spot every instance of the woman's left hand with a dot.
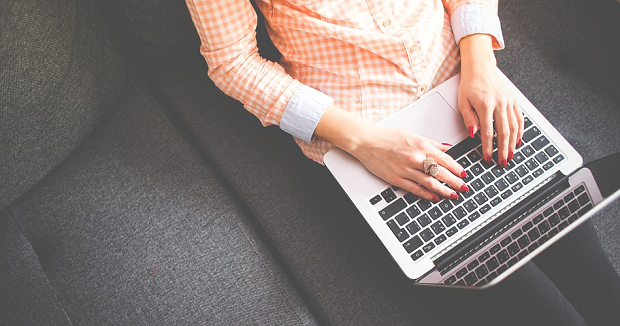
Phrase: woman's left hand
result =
(485, 101)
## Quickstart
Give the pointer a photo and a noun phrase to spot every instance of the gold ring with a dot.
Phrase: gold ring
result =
(431, 167)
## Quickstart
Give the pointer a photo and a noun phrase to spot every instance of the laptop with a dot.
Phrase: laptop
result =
(509, 215)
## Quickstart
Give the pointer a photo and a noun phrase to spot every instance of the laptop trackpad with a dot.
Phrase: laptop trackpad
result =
(431, 117)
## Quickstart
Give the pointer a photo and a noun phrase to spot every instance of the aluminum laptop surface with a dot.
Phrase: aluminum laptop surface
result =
(435, 115)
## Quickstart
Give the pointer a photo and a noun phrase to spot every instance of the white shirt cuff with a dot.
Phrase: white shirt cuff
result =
(474, 19)
(303, 112)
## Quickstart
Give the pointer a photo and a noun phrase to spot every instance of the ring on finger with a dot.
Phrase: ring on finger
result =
(431, 167)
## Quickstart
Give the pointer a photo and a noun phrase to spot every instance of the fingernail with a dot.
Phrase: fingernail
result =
(447, 144)
(519, 142)
(471, 131)
(464, 174)
(503, 163)
(435, 198)
(510, 155)
(454, 195)
(464, 188)
(487, 159)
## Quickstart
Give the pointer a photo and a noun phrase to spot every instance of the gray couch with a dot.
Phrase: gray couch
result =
(133, 192)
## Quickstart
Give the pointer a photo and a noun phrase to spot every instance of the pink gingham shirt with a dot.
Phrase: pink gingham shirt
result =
(370, 57)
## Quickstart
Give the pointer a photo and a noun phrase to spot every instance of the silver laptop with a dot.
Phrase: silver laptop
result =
(509, 215)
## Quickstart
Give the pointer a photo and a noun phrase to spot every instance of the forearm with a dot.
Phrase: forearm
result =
(476, 53)
(342, 129)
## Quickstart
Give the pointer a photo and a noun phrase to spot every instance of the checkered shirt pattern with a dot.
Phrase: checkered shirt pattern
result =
(372, 57)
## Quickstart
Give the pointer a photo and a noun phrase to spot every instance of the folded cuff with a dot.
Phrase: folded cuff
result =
(477, 19)
(303, 112)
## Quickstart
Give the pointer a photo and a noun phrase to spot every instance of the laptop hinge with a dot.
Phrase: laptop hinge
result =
(501, 224)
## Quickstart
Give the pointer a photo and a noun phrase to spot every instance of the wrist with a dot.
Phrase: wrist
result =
(343, 129)
(476, 53)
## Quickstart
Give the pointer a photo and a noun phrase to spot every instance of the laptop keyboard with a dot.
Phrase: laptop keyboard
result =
(421, 225)
(522, 241)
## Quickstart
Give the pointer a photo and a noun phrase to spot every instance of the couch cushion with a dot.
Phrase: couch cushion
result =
(134, 229)
(60, 74)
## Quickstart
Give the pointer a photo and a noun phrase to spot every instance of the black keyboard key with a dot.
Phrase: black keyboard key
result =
(521, 171)
(417, 255)
(450, 280)
(564, 213)
(438, 227)
(435, 213)
(462, 272)
(544, 227)
(460, 282)
(538, 173)
(558, 204)
(388, 194)
(547, 212)
(528, 179)
(424, 220)
(569, 197)
(471, 278)
(402, 218)
(531, 164)
(543, 238)
(410, 198)
(488, 178)
(451, 231)
(516, 234)
(413, 211)
(523, 242)
(413, 227)
(548, 166)
(522, 254)
(473, 216)
(491, 277)
(492, 264)
(484, 256)
(480, 198)
(495, 249)
(448, 220)
(580, 189)
(512, 177)
(491, 191)
(440, 239)
(540, 142)
(551, 151)
(541, 157)
(424, 204)
(562, 225)
(501, 184)
(518, 157)
(558, 159)
(464, 162)
(498, 171)
(428, 247)
(583, 199)
(496, 201)
(470, 205)
(477, 185)
(462, 224)
(527, 226)
(553, 232)
(427, 235)
(463, 147)
(526, 123)
(554, 220)
(472, 265)
(573, 218)
(506, 241)
(533, 234)
(484, 209)
(510, 165)
(531, 134)
(445, 206)
(527, 151)
(459, 212)
(476, 169)
(513, 249)
(538, 219)
(482, 271)
(584, 210)
(517, 186)
(513, 261)
(374, 200)
(502, 269)
(573, 206)
(393, 226)
(393, 208)
(533, 247)
(413, 244)
(506, 194)
(503, 256)
(474, 156)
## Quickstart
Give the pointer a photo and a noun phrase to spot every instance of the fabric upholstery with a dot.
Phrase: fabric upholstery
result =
(60, 73)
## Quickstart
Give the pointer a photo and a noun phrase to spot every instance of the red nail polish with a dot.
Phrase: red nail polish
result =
(510, 155)
(503, 163)
(464, 174)
(519, 142)
(464, 188)
(454, 195)
(447, 144)
(471, 131)
(487, 159)
(436, 198)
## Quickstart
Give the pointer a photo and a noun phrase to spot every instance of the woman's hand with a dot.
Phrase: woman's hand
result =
(393, 155)
(485, 101)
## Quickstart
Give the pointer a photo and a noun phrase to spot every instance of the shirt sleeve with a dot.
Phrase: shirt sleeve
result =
(471, 17)
(227, 30)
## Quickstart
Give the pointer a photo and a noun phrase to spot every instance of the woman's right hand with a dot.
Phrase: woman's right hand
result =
(393, 155)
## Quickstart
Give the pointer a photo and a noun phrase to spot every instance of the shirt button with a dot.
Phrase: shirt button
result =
(423, 88)
(413, 48)
(387, 23)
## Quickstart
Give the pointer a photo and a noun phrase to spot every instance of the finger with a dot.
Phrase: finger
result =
(520, 120)
(469, 116)
(417, 190)
(502, 128)
(514, 132)
(449, 163)
(432, 183)
(486, 134)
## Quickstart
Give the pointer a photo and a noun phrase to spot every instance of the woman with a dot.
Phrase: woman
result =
(347, 64)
